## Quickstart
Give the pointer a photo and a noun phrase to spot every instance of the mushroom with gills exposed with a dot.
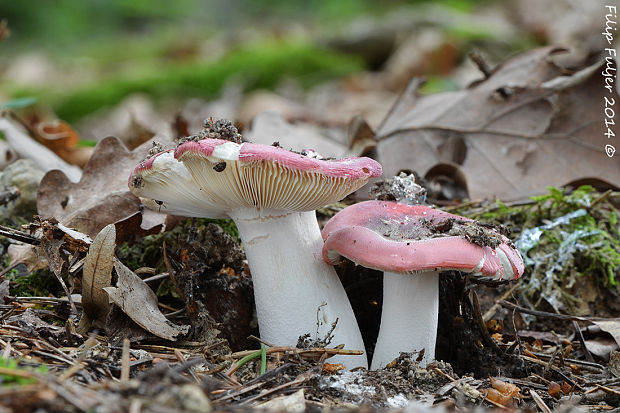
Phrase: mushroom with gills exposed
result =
(271, 194)
(412, 244)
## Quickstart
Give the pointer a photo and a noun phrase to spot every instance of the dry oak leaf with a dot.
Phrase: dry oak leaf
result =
(139, 302)
(525, 127)
(102, 196)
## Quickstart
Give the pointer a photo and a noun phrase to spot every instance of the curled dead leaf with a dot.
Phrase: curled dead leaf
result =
(139, 302)
(502, 392)
(97, 275)
(330, 368)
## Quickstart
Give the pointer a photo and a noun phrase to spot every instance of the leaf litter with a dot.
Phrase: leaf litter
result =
(527, 110)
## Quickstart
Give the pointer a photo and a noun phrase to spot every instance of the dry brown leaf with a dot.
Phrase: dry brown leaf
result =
(602, 345)
(61, 138)
(330, 368)
(56, 134)
(97, 274)
(610, 325)
(525, 127)
(360, 137)
(101, 197)
(139, 302)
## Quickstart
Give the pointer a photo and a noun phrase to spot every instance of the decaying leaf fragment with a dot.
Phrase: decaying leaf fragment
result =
(610, 325)
(30, 255)
(139, 302)
(502, 393)
(61, 138)
(97, 274)
(62, 247)
(603, 343)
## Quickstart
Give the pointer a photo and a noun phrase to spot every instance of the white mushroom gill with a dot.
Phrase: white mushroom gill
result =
(266, 185)
(170, 184)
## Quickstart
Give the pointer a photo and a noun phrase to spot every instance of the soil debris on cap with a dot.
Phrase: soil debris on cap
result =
(474, 232)
(157, 148)
(414, 228)
(137, 181)
(215, 129)
(400, 188)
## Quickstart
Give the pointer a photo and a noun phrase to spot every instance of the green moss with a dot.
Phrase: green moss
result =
(39, 283)
(565, 238)
(12, 364)
(258, 67)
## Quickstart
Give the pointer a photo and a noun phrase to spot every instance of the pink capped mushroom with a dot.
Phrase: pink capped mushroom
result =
(412, 244)
(271, 194)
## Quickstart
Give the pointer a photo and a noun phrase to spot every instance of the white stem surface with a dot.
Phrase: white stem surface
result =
(409, 316)
(295, 291)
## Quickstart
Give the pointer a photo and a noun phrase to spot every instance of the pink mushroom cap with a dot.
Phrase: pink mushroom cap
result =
(216, 177)
(351, 168)
(395, 237)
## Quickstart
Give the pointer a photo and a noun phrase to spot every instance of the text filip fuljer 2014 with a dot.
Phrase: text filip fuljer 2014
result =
(609, 73)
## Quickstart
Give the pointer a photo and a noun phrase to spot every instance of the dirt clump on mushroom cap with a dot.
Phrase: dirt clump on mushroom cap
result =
(403, 189)
(416, 228)
(215, 129)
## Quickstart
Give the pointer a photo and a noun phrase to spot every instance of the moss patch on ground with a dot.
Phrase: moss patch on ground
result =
(569, 239)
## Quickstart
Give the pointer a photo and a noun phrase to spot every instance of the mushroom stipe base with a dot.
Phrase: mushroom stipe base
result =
(408, 317)
(295, 291)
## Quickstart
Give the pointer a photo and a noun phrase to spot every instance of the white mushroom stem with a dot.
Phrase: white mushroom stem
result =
(409, 316)
(295, 291)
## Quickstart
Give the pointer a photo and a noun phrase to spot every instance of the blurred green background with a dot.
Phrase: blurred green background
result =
(104, 50)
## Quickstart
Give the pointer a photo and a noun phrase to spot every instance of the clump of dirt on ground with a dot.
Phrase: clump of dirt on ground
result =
(392, 387)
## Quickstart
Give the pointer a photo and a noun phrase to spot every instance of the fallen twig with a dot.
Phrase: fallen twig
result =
(18, 235)
(539, 402)
(309, 353)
